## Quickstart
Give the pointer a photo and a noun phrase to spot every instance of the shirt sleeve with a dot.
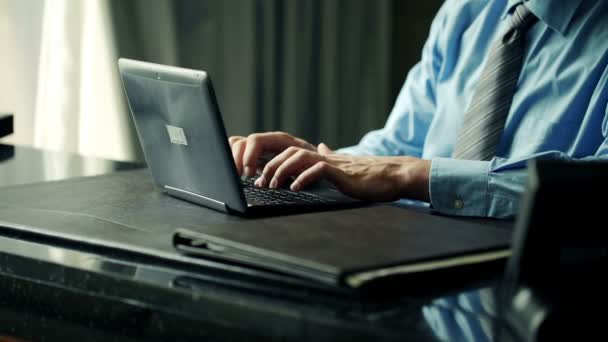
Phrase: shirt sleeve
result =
(487, 188)
(409, 120)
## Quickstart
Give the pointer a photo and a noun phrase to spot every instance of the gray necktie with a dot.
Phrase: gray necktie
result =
(485, 118)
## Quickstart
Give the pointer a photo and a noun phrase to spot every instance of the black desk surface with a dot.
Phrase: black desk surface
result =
(50, 291)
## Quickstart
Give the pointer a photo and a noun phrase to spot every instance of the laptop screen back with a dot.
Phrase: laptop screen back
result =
(181, 131)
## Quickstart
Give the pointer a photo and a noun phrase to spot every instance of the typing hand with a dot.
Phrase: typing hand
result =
(369, 178)
(247, 151)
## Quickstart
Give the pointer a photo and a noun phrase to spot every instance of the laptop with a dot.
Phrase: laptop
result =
(185, 144)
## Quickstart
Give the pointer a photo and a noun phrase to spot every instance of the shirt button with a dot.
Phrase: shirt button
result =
(458, 204)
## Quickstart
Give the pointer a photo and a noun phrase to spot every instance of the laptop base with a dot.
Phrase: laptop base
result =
(196, 198)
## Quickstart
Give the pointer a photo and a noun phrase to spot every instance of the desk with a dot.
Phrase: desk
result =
(62, 293)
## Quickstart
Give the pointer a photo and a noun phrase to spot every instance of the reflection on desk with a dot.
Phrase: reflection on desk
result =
(20, 165)
(468, 316)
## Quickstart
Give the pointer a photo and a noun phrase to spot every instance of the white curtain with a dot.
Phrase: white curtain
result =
(75, 103)
(20, 27)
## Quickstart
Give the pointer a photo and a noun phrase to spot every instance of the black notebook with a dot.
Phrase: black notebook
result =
(350, 247)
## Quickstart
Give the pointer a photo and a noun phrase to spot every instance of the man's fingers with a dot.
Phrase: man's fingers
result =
(259, 143)
(274, 164)
(299, 161)
(253, 150)
(317, 172)
(324, 149)
(238, 148)
(234, 139)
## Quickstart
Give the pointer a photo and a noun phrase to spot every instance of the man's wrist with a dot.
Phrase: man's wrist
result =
(414, 182)
(422, 177)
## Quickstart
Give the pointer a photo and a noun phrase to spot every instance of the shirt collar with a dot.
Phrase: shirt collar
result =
(557, 14)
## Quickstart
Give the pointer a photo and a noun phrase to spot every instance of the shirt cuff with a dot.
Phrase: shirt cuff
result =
(459, 187)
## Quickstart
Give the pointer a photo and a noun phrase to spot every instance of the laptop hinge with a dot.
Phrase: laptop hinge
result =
(196, 198)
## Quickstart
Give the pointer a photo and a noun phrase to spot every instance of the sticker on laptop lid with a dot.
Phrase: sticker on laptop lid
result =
(177, 135)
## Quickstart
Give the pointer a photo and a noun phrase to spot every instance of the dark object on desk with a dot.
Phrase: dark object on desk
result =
(351, 248)
(560, 254)
(6, 152)
(6, 124)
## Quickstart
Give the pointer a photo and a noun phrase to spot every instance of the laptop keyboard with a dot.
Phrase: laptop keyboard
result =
(267, 196)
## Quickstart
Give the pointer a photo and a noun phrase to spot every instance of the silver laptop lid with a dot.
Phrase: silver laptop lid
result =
(181, 132)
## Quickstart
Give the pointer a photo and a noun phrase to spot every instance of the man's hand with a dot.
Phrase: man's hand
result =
(369, 178)
(247, 150)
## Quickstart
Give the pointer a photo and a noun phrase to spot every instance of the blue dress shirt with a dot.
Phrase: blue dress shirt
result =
(559, 110)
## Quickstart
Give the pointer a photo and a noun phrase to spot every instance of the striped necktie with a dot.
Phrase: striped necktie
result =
(485, 118)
